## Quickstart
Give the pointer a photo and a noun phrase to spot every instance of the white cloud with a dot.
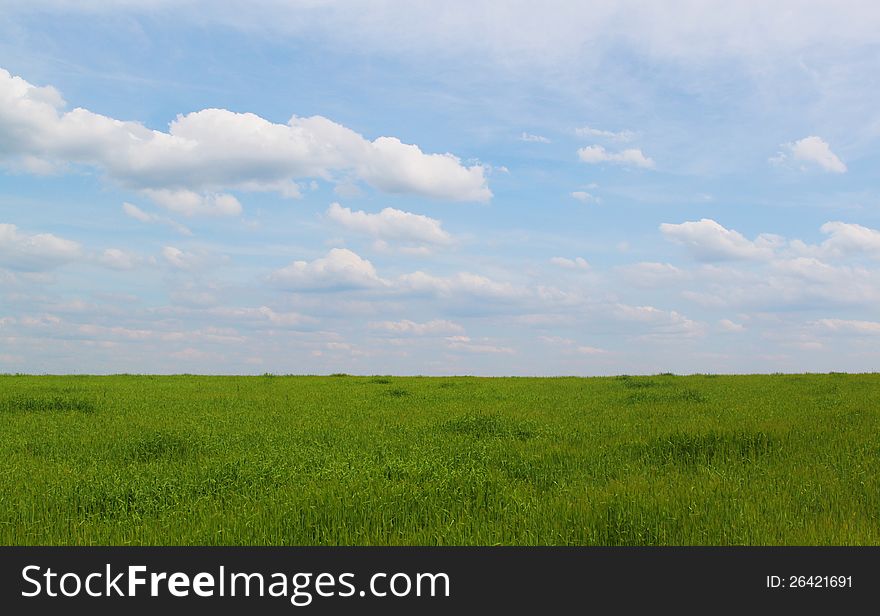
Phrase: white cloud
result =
(437, 327)
(189, 203)
(464, 343)
(594, 154)
(850, 326)
(138, 214)
(586, 131)
(523, 33)
(38, 252)
(191, 354)
(589, 350)
(584, 197)
(731, 326)
(340, 269)
(660, 322)
(710, 241)
(845, 240)
(650, 275)
(805, 268)
(180, 259)
(556, 340)
(786, 282)
(391, 224)
(118, 259)
(529, 138)
(262, 314)
(39, 320)
(462, 283)
(211, 150)
(813, 150)
(576, 263)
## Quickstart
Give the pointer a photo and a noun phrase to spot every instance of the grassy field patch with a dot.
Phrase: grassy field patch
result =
(282, 460)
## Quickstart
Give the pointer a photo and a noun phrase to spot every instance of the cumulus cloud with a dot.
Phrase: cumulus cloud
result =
(709, 241)
(633, 157)
(213, 150)
(812, 150)
(574, 264)
(189, 203)
(37, 252)
(437, 327)
(341, 269)
(391, 224)
(845, 240)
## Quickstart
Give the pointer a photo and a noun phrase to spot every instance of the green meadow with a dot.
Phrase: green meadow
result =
(344, 460)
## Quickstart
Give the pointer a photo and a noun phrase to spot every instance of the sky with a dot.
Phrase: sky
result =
(410, 187)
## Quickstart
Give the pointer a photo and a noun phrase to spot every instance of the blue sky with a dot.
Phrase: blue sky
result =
(409, 188)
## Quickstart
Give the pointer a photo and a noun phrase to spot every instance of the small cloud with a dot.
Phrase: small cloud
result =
(576, 263)
(460, 284)
(339, 269)
(189, 203)
(849, 326)
(710, 241)
(813, 150)
(464, 343)
(137, 213)
(651, 274)
(844, 240)
(556, 340)
(529, 138)
(621, 136)
(37, 252)
(584, 197)
(391, 224)
(595, 154)
(190, 354)
(730, 326)
(348, 190)
(411, 328)
(588, 350)
(115, 258)
(180, 259)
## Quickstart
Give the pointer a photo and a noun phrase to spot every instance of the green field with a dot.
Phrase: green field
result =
(783, 459)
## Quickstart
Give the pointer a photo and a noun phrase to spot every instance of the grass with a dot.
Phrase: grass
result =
(343, 460)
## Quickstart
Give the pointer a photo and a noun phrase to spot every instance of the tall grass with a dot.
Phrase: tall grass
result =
(783, 459)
